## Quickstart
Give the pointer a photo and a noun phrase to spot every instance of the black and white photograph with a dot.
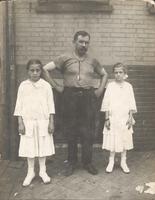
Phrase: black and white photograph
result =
(77, 99)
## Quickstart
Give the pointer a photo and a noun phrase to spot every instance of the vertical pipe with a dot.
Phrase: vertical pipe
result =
(11, 135)
(7, 73)
(13, 123)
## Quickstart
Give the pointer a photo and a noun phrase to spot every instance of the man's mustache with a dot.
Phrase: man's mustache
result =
(83, 48)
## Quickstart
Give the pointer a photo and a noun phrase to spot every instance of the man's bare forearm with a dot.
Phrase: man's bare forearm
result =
(103, 82)
(47, 77)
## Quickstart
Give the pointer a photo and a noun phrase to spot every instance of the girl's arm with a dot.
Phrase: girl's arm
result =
(21, 126)
(130, 121)
(51, 124)
(107, 121)
(132, 108)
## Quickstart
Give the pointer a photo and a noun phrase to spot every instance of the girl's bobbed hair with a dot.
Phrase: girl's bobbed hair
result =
(34, 61)
(118, 65)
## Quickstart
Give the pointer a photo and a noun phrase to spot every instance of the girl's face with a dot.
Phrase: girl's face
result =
(119, 74)
(34, 72)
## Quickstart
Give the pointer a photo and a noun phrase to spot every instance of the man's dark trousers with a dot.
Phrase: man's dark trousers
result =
(79, 122)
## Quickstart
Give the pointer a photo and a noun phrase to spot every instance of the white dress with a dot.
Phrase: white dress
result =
(35, 104)
(118, 100)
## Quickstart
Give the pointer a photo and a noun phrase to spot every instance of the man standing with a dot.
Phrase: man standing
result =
(79, 96)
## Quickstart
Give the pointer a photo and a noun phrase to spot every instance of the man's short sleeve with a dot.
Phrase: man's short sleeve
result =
(60, 61)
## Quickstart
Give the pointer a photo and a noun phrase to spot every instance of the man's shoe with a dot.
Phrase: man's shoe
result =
(91, 169)
(69, 168)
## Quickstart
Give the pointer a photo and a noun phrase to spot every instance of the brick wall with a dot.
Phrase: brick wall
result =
(127, 35)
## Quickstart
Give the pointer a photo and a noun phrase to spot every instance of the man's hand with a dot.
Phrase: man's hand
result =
(98, 92)
(59, 88)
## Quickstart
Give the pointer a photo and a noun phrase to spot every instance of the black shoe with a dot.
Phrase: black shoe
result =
(69, 168)
(91, 169)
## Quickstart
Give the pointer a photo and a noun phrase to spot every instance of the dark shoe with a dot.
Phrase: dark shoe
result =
(91, 169)
(69, 168)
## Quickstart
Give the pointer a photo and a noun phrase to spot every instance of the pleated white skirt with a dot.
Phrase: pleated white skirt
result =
(36, 146)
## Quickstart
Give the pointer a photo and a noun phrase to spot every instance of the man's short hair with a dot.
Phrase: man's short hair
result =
(82, 33)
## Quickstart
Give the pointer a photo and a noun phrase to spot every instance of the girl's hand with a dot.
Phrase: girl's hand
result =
(107, 124)
(21, 128)
(51, 128)
(129, 123)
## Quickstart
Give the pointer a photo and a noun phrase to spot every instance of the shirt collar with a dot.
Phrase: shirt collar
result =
(36, 84)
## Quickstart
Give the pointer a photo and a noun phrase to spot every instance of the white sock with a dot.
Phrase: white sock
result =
(42, 173)
(123, 163)
(110, 166)
(30, 172)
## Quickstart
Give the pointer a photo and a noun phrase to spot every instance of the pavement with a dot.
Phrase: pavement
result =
(81, 185)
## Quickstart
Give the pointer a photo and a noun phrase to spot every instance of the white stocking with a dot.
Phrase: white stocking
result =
(111, 162)
(30, 172)
(123, 162)
(42, 173)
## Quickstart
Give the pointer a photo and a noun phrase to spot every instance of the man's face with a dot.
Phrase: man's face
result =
(82, 44)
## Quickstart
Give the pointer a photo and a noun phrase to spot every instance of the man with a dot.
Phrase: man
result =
(79, 96)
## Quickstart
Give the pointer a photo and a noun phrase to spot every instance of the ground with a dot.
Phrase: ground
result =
(81, 185)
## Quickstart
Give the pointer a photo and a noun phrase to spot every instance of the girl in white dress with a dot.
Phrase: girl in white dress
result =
(35, 110)
(119, 106)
